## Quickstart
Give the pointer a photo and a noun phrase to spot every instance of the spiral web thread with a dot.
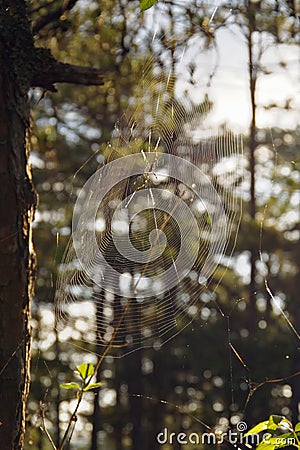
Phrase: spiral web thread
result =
(153, 224)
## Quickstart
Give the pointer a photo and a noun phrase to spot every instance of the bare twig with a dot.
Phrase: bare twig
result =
(53, 16)
(3, 368)
(44, 428)
(69, 430)
(40, 6)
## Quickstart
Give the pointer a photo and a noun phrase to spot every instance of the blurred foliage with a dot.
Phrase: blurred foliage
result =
(221, 368)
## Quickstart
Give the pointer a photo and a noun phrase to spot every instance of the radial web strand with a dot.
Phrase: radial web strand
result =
(153, 224)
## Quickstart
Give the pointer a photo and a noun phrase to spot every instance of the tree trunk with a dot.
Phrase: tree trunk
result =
(253, 247)
(134, 379)
(17, 262)
(96, 416)
(252, 147)
(135, 386)
(58, 397)
(95, 419)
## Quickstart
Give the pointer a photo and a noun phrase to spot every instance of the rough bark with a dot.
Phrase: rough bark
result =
(17, 263)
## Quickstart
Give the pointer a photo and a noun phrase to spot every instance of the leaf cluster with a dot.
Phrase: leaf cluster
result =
(86, 373)
(270, 427)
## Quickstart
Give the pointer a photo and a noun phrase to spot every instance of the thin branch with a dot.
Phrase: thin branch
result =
(69, 430)
(67, 5)
(41, 6)
(44, 427)
(66, 73)
(3, 368)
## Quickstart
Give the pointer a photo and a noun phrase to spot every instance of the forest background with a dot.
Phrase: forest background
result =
(234, 362)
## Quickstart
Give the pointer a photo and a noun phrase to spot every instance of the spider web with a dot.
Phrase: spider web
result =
(153, 224)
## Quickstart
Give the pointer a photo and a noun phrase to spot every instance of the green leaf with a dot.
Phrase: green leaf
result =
(71, 385)
(275, 421)
(266, 445)
(297, 427)
(146, 4)
(93, 386)
(258, 428)
(85, 370)
(271, 425)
